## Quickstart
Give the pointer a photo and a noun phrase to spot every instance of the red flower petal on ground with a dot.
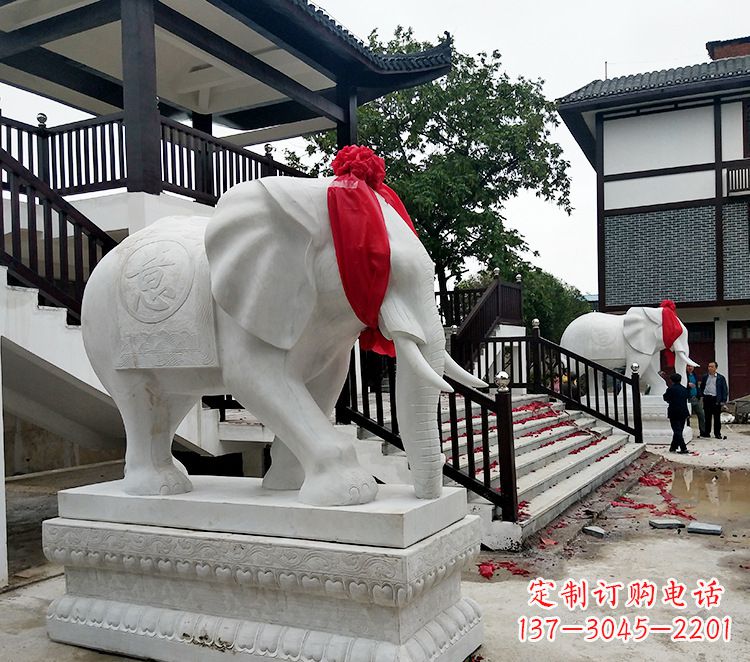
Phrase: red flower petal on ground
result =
(486, 569)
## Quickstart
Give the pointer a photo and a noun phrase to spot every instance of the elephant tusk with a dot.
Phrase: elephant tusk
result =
(407, 351)
(455, 371)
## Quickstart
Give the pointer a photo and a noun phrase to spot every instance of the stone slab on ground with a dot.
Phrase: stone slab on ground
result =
(704, 528)
(666, 523)
(241, 505)
(595, 531)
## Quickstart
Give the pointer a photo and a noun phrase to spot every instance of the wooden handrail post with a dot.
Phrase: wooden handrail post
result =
(506, 449)
(637, 404)
(42, 148)
(535, 363)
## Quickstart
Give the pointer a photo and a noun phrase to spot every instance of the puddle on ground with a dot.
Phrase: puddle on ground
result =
(713, 493)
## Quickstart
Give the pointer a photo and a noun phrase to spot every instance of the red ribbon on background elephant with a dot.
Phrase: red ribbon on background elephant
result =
(671, 329)
(360, 238)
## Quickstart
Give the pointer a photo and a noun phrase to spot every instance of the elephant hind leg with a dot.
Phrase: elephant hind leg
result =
(151, 418)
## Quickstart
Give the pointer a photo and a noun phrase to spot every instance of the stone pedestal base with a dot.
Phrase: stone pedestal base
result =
(656, 427)
(177, 594)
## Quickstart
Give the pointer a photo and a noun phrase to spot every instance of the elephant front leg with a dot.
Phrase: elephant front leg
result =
(333, 477)
(286, 471)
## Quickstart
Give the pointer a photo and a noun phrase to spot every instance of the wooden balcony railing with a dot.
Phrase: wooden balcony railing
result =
(500, 303)
(90, 155)
(456, 305)
(738, 180)
(204, 167)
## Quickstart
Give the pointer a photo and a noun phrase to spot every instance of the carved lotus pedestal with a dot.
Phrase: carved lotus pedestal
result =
(230, 571)
(656, 426)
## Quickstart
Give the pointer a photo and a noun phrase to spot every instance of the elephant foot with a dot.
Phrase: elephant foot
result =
(284, 478)
(151, 481)
(339, 487)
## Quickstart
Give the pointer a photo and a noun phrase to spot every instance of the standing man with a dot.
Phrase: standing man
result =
(715, 393)
(696, 404)
(677, 412)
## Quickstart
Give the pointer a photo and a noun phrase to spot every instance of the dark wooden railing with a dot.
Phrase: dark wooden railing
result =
(47, 243)
(500, 303)
(541, 366)
(738, 179)
(90, 155)
(80, 157)
(455, 305)
(201, 166)
(368, 400)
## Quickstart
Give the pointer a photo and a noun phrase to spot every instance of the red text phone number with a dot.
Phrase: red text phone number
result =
(625, 629)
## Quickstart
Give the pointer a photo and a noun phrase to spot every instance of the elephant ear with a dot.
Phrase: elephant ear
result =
(260, 244)
(642, 329)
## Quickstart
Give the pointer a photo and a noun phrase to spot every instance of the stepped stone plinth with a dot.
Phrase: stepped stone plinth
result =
(145, 578)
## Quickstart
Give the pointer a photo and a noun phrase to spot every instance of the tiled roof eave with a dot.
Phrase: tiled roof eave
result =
(667, 83)
(667, 92)
(434, 58)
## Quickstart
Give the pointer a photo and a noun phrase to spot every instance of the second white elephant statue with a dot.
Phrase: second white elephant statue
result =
(639, 336)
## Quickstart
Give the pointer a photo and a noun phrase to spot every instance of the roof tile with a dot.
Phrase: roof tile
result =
(736, 66)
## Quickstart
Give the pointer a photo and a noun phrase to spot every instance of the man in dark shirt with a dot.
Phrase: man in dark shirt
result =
(715, 394)
(677, 412)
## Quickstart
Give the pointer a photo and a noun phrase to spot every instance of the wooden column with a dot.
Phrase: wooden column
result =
(142, 123)
(346, 131)
(202, 122)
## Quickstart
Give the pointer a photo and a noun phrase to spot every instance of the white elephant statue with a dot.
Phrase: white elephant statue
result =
(638, 336)
(251, 302)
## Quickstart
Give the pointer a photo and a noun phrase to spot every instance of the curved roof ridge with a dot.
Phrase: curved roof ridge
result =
(726, 67)
(430, 58)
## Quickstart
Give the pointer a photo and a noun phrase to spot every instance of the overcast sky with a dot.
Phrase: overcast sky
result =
(565, 44)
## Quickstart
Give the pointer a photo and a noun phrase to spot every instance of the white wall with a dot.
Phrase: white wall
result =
(658, 190)
(136, 210)
(731, 131)
(659, 140)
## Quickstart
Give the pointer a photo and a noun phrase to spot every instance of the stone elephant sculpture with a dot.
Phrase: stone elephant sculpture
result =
(638, 336)
(251, 302)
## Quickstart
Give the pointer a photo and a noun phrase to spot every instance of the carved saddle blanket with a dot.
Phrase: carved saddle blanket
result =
(164, 307)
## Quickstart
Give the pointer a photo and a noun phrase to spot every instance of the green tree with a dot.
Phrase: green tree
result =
(545, 297)
(455, 150)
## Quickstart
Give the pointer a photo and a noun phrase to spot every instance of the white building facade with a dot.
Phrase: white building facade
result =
(671, 151)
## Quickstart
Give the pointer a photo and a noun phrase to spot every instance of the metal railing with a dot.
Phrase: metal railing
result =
(47, 243)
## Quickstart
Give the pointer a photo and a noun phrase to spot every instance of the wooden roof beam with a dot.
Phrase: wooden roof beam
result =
(220, 48)
(59, 27)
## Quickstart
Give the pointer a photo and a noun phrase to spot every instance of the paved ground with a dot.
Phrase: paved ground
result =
(713, 486)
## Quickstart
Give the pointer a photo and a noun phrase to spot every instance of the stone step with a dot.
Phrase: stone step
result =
(536, 482)
(546, 506)
(536, 438)
(531, 461)
(545, 456)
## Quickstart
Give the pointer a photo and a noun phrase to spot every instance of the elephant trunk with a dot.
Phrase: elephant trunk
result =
(417, 401)
(681, 361)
